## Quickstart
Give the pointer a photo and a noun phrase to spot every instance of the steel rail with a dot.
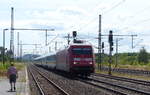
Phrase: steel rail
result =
(129, 71)
(142, 82)
(54, 84)
(103, 87)
(123, 87)
(36, 82)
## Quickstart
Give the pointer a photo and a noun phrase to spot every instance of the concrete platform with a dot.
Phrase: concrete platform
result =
(22, 85)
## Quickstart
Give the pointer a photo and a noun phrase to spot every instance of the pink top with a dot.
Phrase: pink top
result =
(12, 70)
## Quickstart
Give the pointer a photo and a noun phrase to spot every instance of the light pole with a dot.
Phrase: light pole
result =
(4, 45)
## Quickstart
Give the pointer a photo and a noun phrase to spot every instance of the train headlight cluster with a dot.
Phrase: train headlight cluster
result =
(90, 63)
(76, 63)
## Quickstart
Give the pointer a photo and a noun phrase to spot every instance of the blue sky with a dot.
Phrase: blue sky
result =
(121, 16)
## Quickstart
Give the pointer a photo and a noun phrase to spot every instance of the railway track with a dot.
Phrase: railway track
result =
(117, 92)
(126, 89)
(72, 86)
(136, 81)
(114, 88)
(128, 71)
(45, 85)
(105, 85)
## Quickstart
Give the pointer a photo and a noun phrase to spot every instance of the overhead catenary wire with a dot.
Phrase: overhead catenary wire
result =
(113, 7)
(53, 39)
(135, 15)
(135, 24)
(138, 12)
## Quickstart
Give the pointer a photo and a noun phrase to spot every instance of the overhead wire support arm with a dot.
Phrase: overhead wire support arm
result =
(121, 35)
(30, 44)
(36, 30)
(33, 29)
(118, 35)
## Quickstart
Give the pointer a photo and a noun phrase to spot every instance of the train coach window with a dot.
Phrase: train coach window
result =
(82, 51)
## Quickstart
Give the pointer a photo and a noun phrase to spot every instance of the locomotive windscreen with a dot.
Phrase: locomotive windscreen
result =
(82, 51)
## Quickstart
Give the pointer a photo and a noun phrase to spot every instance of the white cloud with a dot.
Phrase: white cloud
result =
(121, 16)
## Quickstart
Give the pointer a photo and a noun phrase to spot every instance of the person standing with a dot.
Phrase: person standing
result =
(12, 74)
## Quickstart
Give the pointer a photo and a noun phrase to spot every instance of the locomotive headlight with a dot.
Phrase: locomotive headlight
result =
(90, 63)
(74, 62)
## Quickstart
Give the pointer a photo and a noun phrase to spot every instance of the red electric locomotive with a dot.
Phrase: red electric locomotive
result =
(76, 59)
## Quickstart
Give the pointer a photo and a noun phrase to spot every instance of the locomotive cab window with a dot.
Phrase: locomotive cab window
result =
(82, 50)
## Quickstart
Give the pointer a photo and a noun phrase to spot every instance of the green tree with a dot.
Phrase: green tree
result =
(143, 56)
(1, 53)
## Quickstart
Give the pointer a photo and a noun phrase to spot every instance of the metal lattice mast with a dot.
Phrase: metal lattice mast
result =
(12, 33)
(99, 44)
(18, 44)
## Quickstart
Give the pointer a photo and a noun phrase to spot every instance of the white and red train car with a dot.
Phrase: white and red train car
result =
(75, 59)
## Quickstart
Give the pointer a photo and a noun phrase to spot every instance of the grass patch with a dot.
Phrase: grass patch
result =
(135, 67)
(4, 67)
(129, 66)
(19, 66)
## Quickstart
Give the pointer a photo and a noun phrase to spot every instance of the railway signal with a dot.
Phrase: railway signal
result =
(110, 40)
(74, 34)
(102, 45)
(102, 52)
